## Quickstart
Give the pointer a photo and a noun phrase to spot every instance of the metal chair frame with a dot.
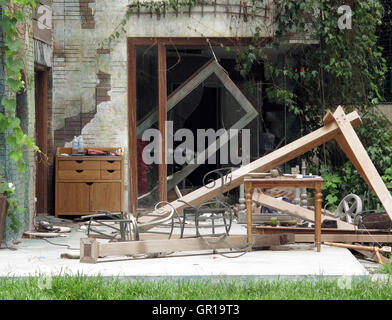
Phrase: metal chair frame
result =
(127, 227)
(218, 208)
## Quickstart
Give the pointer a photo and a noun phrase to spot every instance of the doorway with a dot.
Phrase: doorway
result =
(193, 86)
(41, 129)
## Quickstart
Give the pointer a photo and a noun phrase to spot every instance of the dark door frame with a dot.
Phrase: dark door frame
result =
(41, 138)
(132, 120)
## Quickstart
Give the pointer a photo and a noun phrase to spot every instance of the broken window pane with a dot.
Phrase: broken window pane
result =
(207, 99)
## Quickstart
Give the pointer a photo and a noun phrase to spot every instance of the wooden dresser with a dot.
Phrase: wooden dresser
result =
(85, 184)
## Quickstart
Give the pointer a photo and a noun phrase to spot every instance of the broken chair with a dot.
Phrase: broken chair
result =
(216, 214)
(124, 227)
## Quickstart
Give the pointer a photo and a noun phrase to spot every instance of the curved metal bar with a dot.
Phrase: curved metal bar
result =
(160, 221)
(225, 178)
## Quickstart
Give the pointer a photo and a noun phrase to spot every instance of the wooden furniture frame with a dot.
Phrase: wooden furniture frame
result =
(85, 184)
(316, 183)
(338, 126)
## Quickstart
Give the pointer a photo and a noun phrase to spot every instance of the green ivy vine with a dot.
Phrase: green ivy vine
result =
(14, 16)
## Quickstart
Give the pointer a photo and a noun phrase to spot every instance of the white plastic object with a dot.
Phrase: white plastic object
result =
(75, 145)
(81, 145)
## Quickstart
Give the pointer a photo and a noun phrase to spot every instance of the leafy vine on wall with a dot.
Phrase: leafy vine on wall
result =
(325, 66)
(14, 17)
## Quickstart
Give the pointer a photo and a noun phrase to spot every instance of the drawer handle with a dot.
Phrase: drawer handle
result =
(110, 171)
(79, 161)
(89, 183)
(79, 171)
(110, 161)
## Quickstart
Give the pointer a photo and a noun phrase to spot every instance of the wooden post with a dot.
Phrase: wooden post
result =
(317, 210)
(132, 142)
(89, 250)
(248, 200)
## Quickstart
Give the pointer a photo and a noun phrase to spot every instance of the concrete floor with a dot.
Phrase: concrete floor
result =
(38, 257)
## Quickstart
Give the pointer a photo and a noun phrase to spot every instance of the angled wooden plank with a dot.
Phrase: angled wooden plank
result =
(384, 249)
(328, 118)
(266, 163)
(297, 211)
(355, 151)
(350, 155)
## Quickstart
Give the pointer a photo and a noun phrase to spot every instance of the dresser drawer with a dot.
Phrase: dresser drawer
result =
(79, 165)
(79, 174)
(111, 174)
(110, 165)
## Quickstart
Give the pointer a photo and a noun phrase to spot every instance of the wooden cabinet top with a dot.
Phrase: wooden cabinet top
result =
(68, 151)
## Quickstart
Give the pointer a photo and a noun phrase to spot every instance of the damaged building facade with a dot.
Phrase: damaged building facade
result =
(180, 61)
(177, 66)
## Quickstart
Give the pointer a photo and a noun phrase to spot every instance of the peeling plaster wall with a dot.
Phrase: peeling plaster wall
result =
(79, 27)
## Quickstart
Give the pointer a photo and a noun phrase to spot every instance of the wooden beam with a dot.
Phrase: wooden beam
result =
(352, 146)
(297, 211)
(90, 249)
(194, 41)
(328, 118)
(266, 163)
(306, 230)
(132, 143)
(346, 238)
(259, 218)
(384, 249)
(370, 252)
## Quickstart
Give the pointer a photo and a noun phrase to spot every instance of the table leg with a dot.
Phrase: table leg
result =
(248, 199)
(317, 219)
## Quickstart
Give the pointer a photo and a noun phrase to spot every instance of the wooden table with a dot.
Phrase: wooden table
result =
(285, 182)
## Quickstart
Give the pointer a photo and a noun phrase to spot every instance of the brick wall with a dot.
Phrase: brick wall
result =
(90, 84)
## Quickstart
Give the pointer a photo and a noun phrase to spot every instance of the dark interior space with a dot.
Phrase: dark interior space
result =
(204, 117)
